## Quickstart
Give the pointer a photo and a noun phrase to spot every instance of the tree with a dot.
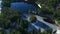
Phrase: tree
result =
(47, 31)
(57, 14)
(32, 32)
(6, 3)
(39, 31)
(24, 23)
(9, 13)
(3, 21)
(49, 7)
(7, 16)
(18, 32)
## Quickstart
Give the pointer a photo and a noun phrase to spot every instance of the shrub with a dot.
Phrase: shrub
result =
(33, 18)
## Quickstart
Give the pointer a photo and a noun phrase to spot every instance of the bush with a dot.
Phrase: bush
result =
(58, 22)
(33, 18)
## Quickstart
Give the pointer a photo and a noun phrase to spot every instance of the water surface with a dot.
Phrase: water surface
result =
(23, 7)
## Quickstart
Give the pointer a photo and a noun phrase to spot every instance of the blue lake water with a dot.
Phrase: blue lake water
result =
(23, 7)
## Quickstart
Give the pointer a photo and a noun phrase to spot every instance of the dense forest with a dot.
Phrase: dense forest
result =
(10, 18)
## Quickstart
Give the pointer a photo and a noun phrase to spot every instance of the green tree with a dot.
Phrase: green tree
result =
(49, 7)
(39, 31)
(9, 13)
(24, 23)
(47, 31)
(6, 3)
(7, 16)
(57, 14)
(32, 32)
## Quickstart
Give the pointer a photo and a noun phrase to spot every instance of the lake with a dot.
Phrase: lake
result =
(23, 7)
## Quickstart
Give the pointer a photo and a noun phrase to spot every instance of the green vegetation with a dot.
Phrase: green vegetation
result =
(33, 18)
(39, 31)
(24, 23)
(50, 7)
(58, 21)
(47, 31)
(10, 15)
(6, 3)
